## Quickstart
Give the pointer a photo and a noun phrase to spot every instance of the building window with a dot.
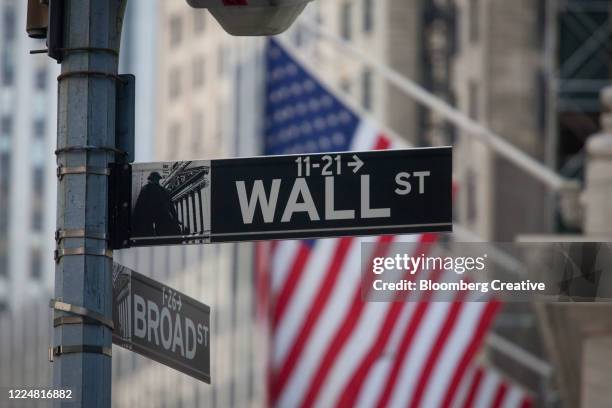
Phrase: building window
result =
(198, 131)
(199, 71)
(38, 189)
(39, 128)
(8, 19)
(176, 30)
(298, 37)
(6, 125)
(199, 21)
(473, 100)
(8, 72)
(174, 136)
(3, 213)
(38, 180)
(37, 218)
(346, 20)
(40, 79)
(366, 89)
(222, 60)
(368, 16)
(220, 112)
(4, 261)
(174, 83)
(318, 17)
(5, 170)
(36, 264)
(474, 23)
(346, 86)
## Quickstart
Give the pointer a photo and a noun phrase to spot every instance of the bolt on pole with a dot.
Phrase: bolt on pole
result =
(85, 147)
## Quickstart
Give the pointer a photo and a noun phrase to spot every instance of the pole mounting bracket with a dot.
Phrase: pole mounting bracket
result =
(119, 205)
(99, 74)
(110, 51)
(60, 253)
(62, 234)
(78, 311)
(87, 148)
(59, 350)
(99, 171)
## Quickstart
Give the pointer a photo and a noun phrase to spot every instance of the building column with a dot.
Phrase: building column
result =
(597, 198)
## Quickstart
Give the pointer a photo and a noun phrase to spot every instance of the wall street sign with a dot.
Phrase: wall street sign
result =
(160, 323)
(290, 197)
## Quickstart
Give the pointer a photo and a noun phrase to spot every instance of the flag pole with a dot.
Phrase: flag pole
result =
(497, 142)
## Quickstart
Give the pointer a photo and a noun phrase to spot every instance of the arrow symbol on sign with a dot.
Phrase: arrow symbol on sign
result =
(357, 164)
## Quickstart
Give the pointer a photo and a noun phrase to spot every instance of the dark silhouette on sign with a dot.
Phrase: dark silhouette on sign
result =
(154, 213)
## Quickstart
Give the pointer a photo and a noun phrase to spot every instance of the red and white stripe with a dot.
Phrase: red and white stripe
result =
(486, 388)
(330, 348)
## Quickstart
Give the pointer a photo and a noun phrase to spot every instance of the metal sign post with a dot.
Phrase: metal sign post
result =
(85, 147)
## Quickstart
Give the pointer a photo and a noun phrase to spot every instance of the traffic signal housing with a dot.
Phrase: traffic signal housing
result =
(253, 17)
(37, 21)
(45, 19)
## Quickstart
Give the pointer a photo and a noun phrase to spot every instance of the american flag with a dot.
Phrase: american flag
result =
(327, 347)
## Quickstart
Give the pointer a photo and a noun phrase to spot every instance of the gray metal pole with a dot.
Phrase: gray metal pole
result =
(86, 127)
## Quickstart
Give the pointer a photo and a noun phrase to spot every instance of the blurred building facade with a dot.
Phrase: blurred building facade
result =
(195, 92)
(28, 104)
(194, 83)
(531, 71)
(498, 72)
(197, 102)
(382, 28)
(468, 53)
(207, 68)
(138, 56)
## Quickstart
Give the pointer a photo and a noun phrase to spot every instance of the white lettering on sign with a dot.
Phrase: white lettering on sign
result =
(153, 313)
(366, 211)
(140, 328)
(300, 188)
(300, 199)
(190, 339)
(258, 195)
(401, 179)
(421, 176)
(166, 328)
(203, 334)
(179, 335)
(330, 212)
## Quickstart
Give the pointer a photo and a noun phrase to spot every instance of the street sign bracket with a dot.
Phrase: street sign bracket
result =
(66, 320)
(125, 131)
(55, 30)
(81, 311)
(120, 192)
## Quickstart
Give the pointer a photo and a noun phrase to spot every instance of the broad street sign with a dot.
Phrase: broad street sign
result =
(289, 197)
(160, 323)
